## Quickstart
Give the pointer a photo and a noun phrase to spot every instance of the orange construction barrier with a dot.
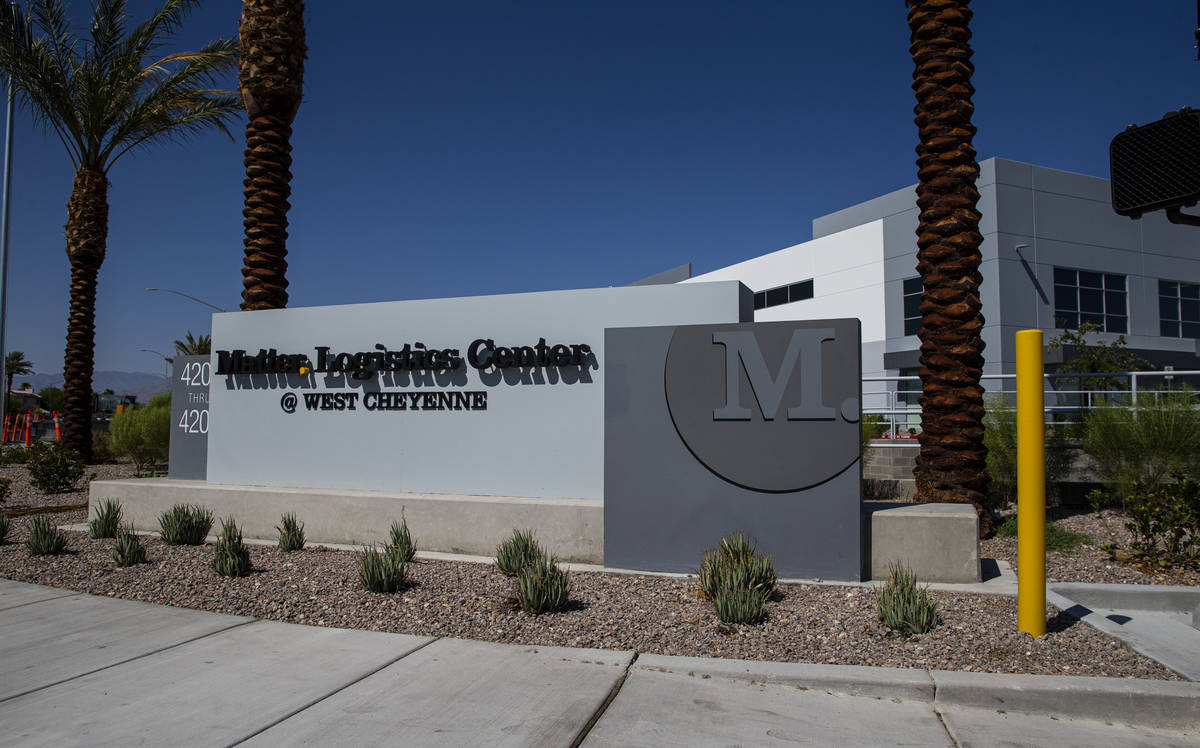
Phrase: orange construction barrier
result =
(28, 426)
(8, 421)
(57, 431)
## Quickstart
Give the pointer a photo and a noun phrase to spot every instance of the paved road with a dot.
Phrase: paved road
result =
(82, 670)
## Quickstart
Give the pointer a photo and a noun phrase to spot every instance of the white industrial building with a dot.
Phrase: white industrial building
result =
(1053, 249)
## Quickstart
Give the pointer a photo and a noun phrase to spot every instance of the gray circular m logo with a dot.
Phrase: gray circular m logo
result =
(770, 406)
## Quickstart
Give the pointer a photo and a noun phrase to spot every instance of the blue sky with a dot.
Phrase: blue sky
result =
(462, 148)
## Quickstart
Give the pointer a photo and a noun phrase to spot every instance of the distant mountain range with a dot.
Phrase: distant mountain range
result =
(144, 386)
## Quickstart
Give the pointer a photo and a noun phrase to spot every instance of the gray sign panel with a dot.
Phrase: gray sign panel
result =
(189, 417)
(713, 429)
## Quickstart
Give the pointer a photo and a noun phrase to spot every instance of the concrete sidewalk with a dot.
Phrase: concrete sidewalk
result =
(77, 669)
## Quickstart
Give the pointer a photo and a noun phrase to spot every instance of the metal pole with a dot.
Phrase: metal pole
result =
(8, 120)
(1031, 485)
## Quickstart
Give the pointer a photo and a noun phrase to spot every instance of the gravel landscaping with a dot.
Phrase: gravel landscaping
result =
(661, 615)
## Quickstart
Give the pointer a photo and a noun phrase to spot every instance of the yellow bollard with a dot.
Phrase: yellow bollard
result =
(1031, 485)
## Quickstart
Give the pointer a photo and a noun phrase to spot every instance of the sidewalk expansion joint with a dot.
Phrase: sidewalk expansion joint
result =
(334, 692)
(130, 659)
(46, 600)
(612, 694)
(942, 722)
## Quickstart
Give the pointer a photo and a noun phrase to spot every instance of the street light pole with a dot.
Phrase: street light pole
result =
(162, 355)
(188, 296)
(8, 123)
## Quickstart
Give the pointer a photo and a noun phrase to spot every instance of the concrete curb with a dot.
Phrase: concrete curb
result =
(1158, 704)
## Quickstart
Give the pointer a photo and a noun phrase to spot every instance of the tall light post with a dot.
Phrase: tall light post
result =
(162, 355)
(189, 296)
(8, 122)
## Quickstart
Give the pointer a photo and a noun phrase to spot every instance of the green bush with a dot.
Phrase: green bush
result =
(5, 489)
(402, 542)
(291, 533)
(231, 558)
(1000, 438)
(143, 433)
(44, 538)
(381, 571)
(1165, 521)
(902, 606)
(102, 451)
(739, 604)
(1145, 443)
(1057, 538)
(53, 468)
(128, 549)
(14, 455)
(518, 551)
(542, 587)
(3, 527)
(736, 564)
(185, 525)
(107, 520)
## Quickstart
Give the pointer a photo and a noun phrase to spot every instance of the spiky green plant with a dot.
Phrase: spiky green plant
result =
(740, 604)
(520, 550)
(107, 520)
(737, 563)
(3, 527)
(381, 571)
(44, 538)
(402, 542)
(5, 488)
(902, 606)
(128, 549)
(185, 525)
(542, 587)
(231, 558)
(291, 533)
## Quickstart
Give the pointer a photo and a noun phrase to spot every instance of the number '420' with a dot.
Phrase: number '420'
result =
(194, 421)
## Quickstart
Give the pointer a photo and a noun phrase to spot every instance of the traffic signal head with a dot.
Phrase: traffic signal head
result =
(1156, 166)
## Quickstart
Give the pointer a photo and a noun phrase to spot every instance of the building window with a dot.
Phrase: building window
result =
(1084, 297)
(784, 294)
(1178, 309)
(912, 305)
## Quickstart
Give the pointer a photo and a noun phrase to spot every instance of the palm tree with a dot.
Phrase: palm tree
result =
(952, 462)
(103, 96)
(190, 346)
(271, 81)
(16, 365)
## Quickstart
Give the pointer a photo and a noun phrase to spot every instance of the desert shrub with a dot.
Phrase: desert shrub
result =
(14, 455)
(4, 522)
(128, 549)
(1058, 538)
(54, 468)
(902, 606)
(102, 451)
(1165, 521)
(44, 538)
(1143, 444)
(185, 525)
(291, 533)
(231, 558)
(735, 604)
(380, 571)
(542, 587)
(518, 551)
(5, 489)
(107, 520)
(1000, 438)
(402, 542)
(736, 563)
(143, 434)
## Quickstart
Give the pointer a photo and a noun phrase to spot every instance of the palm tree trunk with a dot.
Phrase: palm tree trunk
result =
(952, 463)
(87, 234)
(267, 186)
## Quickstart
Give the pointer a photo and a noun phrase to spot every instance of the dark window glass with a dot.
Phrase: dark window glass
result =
(1092, 319)
(760, 300)
(1064, 298)
(1090, 280)
(1189, 290)
(912, 306)
(912, 285)
(1168, 329)
(1065, 277)
(1066, 320)
(800, 291)
(1114, 302)
(777, 296)
(1191, 329)
(1091, 300)
(1189, 311)
(1168, 309)
(1114, 282)
(1168, 288)
(912, 326)
(1114, 323)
